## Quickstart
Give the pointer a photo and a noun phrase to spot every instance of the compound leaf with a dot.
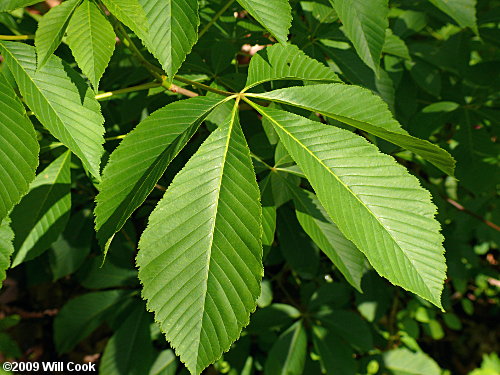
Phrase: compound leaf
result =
(275, 16)
(42, 214)
(173, 30)
(61, 100)
(18, 149)
(373, 200)
(92, 41)
(136, 165)
(364, 23)
(286, 62)
(362, 109)
(51, 28)
(200, 258)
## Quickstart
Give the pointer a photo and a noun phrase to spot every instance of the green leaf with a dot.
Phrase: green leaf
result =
(373, 200)
(335, 356)
(173, 30)
(286, 62)
(51, 28)
(317, 224)
(404, 362)
(61, 100)
(130, 350)
(275, 16)
(42, 214)
(18, 149)
(360, 108)
(82, 315)
(288, 354)
(141, 158)
(7, 5)
(200, 258)
(92, 41)
(131, 13)
(364, 23)
(6, 247)
(462, 11)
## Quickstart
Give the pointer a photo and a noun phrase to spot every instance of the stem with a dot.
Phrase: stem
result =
(459, 207)
(144, 86)
(16, 37)
(202, 86)
(261, 161)
(215, 18)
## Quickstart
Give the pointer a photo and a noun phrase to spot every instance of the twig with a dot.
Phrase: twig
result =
(215, 18)
(16, 37)
(459, 207)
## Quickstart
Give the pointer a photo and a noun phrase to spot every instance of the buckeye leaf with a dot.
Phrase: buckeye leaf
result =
(51, 28)
(364, 23)
(286, 62)
(137, 164)
(373, 200)
(200, 258)
(7, 5)
(92, 41)
(173, 30)
(323, 231)
(18, 149)
(41, 216)
(275, 16)
(61, 100)
(362, 109)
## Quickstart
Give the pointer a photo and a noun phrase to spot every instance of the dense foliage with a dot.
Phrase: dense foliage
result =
(250, 187)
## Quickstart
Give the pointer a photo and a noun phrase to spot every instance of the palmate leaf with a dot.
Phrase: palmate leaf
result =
(200, 258)
(173, 30)
(275, 16)
(286, 62)
(61, 100)
(373, 200)
(7, 5)
(51, 28)
(364, 23)
(18, 149)
(141, 158)
(362, 109)
(462, 11)
(131, 13)
(92, 41)
(41, 216)
(316, 223)
(6, 247)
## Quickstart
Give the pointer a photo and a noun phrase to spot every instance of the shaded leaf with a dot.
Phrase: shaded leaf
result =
(7, 5)
(404, 362)
(335, 356)
(41, 216)
(462, 11)
(6, 247)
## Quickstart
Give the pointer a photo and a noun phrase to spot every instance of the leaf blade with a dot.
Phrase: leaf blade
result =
(92, 41)
(6, 247)
(216, 187)
(359, 196)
